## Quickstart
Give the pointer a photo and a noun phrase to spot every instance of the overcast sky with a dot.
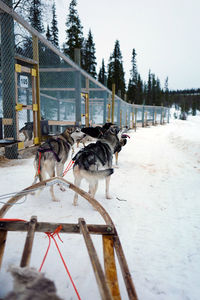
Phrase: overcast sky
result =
(164, 33)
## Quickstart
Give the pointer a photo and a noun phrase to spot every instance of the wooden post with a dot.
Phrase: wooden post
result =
(132, 119)
(29, 242)
(125, 270)
(37, 139)
(110, 266)
(109, 110)
(87, 103)
(145, 118)
(98, 272)
(113, 102)
(135, 119)
(3, 236)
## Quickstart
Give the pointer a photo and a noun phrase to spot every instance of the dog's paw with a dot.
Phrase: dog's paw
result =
(108, 197)
(56, 200)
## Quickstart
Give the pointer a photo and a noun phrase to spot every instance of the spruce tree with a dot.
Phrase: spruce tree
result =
(132, 84)
(35, 15)
(54, 27)
(149, 90)
(102, 74)
(48, 34)
(116, 71)
(166, 95)
(89, 58)
(139, 91)
(35, 20)
(74, 31)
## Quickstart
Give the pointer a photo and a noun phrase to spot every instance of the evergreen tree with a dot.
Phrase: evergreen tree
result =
(149, 90)
(132, 85)
(35, 15)
(74, 31)
(54, 27)
(102, 74)
(35, 20)
(166, 97)
(116, 71)
(48, 34)
(89, 58)
(139, 91)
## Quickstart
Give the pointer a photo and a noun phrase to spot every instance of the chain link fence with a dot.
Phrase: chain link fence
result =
(38, 82)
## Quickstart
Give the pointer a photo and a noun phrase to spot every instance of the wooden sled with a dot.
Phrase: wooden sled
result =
(107, 281)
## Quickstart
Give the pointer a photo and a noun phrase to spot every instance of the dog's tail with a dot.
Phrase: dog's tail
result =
(101, 173)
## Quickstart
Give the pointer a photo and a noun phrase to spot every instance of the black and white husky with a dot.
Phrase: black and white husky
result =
(94, 161)
(52, 155)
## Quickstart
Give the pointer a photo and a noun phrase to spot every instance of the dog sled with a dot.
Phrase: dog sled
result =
(107, 279)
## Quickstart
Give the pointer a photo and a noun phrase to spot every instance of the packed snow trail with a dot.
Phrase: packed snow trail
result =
(155, 208)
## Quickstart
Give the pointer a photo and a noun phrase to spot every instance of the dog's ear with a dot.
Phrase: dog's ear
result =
(94, 132)
(107, 125)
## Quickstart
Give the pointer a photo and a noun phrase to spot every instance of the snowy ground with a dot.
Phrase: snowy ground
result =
(155, 207)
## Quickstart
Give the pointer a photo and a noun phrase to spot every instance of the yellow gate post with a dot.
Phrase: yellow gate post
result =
(36, 107)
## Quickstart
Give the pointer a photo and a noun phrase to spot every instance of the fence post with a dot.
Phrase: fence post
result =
(168, 115)
(135, 118)
(113, 102)
(37, 139)
(142, 115)
(161, 114)
(104, 106)
(118, 112)
(8, 79)
(77, 88)
(153, 122)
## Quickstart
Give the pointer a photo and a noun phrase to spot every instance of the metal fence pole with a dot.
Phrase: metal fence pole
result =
(8, 79)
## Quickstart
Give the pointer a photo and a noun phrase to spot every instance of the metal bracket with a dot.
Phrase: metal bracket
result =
(57, 181)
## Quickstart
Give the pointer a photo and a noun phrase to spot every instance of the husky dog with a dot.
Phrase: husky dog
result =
(52, 155)
(31, 284)
(122, 142)
(94, 162)
(27, 130)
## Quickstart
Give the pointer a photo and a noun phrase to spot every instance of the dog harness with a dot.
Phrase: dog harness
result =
(48, 147)
(89, 154)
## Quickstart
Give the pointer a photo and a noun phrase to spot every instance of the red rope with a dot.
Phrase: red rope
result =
(70, 164)
(51, 235)
(39, 162)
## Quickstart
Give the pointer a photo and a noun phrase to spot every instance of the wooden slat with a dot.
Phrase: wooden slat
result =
(52, 122)
(29, 242)
(3, 235)
(110, 267)
(124, 268)
(50, 227)
(100, 277)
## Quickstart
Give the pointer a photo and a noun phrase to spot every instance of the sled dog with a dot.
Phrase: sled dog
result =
(52, 155)
(94, 162)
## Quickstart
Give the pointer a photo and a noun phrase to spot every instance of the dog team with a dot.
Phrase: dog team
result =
(92, 162)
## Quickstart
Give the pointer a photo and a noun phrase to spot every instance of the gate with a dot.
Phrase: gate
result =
(26, 105)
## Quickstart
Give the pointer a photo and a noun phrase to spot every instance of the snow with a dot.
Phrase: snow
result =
(155, 207)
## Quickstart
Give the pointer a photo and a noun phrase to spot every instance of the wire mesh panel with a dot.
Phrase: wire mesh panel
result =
(58, 89)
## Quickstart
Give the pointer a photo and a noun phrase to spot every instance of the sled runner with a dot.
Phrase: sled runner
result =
(107, 280)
